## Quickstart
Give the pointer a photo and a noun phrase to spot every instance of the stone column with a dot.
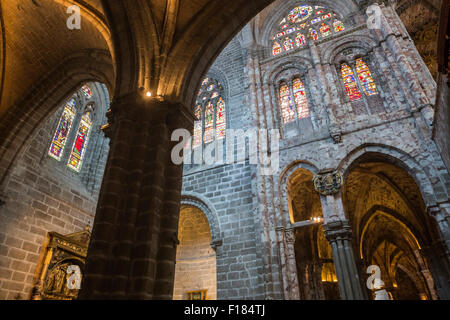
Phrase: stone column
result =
(339, 234)
(289, 236)
(133, 244)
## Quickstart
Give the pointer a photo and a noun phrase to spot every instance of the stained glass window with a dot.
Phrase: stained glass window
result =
(365, 77)
(308, 20)
(87, 91)
(300, 13)
(288, 44)
(276, 49)
(325, 30)
(313, 34)
(81, 141)
(220, 119)
(300, 40)
(198, 127)
(287, 107)
(210, 113)
(300, 99)
(315, 20)
(209, 122)
(350, 84)
(338, 26)
(62, 131)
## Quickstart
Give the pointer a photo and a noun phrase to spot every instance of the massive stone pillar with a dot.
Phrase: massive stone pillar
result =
(339, 234)
(133, 245)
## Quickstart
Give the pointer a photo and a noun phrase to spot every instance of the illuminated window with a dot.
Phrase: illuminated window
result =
(220, 119)
(210, 113)
(87, 91)
(313, 34)
(81, 141)
(198, 126)
(348, 77)
(338, 26)
(300, 99)
(288, 44)
(287, 107)
(62, 131)
(325, 30)
(310, 21)
(276, 48)
(300, 40)
(209, 122)
(365, 77)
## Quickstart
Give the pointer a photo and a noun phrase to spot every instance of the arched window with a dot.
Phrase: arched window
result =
(210, 113)
(73, 110)
(287, 107)
(62, 131)
(220, 119)
(365, 77)
(81, 140)
(305, 20)
(300, 99)
(300, 40)
(209, 122)
(198, 126)
(348, 77)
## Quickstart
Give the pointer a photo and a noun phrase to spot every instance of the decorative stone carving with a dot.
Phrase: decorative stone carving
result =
(328, 183)
(289, 235)
(62, 252)
(336, 134)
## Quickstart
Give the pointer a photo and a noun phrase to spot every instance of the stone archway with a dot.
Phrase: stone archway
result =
(392, 230)
(196, 268)
(315, 270)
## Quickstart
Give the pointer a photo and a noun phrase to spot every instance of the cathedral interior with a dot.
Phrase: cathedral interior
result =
(93, 206)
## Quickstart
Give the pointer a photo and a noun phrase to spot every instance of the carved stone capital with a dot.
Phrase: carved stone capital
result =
(338, 230)
(328, 183)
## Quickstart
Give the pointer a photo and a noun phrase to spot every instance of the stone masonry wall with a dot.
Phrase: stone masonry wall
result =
(42, 195)
(229, 189)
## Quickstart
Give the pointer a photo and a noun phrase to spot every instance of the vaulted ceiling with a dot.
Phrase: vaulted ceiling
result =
(37, 40)
(161, 45)
(421, 19)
